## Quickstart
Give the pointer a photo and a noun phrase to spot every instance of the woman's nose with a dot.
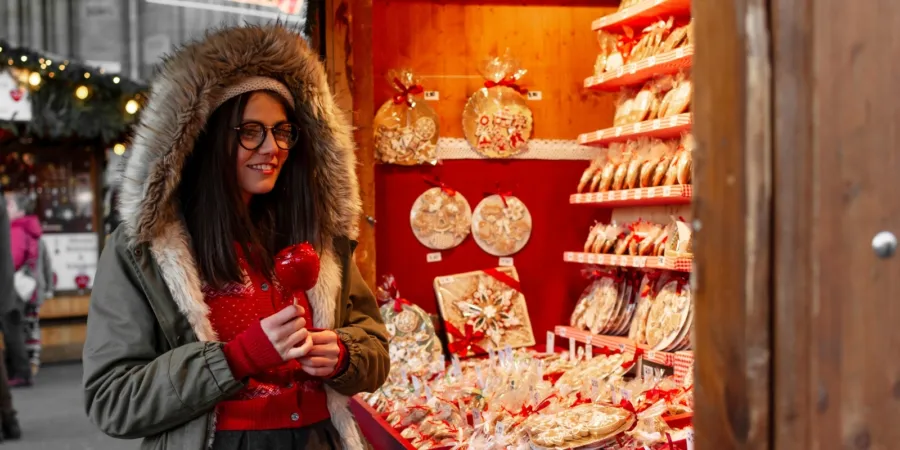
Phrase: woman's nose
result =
(268, 146)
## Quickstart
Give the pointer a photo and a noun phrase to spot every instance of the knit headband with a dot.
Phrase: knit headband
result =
(254, 84)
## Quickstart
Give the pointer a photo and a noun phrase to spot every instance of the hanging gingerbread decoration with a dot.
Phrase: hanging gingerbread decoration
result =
(406, 130)
(497, 121)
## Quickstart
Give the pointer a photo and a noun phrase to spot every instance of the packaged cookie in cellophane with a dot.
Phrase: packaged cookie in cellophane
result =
(406, 130)
(497, 121)
(501, 224)
(414, 345)
(670, 318)
(441, 217)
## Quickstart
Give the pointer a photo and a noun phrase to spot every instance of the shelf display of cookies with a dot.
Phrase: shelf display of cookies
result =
(630, 45)
(659, 98)
(651, 307)
(641, 238)
(640, 163)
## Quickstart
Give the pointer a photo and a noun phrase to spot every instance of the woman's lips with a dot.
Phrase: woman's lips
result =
(265, 169)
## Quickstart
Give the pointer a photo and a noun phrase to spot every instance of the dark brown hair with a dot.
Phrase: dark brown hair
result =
(216, 216)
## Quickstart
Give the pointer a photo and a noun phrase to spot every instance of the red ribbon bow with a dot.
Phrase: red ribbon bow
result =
(436, 182)
(399, 302)
(656, 394)
(528, 410)
(652, 278)
(629, 364)
(406, 92)
(580, 400)
(464, 343)
(509, 82)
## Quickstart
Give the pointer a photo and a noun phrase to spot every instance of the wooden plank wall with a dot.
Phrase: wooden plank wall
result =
(445, 42)
(732, 212)
(837, 377)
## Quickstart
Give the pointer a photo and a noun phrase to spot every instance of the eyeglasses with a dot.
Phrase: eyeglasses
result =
(253, 135)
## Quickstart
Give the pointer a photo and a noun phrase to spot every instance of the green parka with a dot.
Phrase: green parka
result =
(153, 368)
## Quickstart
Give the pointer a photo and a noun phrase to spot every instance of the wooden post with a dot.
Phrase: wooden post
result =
(732, 211)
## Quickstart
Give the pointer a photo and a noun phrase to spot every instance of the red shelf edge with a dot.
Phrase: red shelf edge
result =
(658, 195)
(661, 128)
(641, 13)
(645, 69)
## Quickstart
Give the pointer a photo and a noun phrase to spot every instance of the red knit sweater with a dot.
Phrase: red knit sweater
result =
(278, 394)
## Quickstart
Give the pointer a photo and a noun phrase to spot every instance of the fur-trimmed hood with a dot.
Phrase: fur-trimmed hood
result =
(180, 104)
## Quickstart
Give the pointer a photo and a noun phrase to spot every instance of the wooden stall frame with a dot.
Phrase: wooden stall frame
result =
(733, 225)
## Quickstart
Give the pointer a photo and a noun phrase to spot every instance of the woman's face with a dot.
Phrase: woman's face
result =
(257, 171)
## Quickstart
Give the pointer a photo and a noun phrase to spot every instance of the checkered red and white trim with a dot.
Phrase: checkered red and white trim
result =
(650, 262)
(684, 364)
(662, 195)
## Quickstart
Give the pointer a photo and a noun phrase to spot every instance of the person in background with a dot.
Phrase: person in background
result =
(9, 301)
(44, 290)
(25, 241)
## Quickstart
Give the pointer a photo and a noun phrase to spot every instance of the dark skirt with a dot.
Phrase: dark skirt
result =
(318, 436)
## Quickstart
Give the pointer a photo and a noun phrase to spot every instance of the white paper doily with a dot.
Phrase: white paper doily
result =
(543, 149)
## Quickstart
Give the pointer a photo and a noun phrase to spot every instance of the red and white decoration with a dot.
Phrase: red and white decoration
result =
(15, 103)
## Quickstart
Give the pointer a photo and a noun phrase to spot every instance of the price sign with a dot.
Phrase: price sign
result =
(640, 261)
(650, 369)
(595, 388)
(632, 68)
(673, 121)
(661, 261)
(551, 343)
(638, 193)
(432, 96)
(690, 439)
(667, 191)
(592, 258)
(477, 421)
(562, 332)
(589, 349)
(679, 52)
(613, 260)
(433, 257)
(580, 257)
(506, 262)
(657, 124)
(613, 195)
(534, 95)
(445, 280)
(651, 61)
(620, 71)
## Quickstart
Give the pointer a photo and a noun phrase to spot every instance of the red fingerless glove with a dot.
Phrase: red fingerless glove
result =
(251, 353)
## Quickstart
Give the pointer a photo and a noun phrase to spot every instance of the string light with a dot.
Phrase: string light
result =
(132, 107)
(87, 75)
(62, 67)
(34, 79)
(119, 149)
(116, 80)
(24, 58)
(82, 92)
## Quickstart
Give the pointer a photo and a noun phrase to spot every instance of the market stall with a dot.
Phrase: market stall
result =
(59, 123)
(534, 195)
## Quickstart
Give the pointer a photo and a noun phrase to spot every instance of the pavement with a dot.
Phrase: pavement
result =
(52, 415)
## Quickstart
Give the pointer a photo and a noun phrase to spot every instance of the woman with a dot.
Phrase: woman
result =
(240, 153)
(29, 251)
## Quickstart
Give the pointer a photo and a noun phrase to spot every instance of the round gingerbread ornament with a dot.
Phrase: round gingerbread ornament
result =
(497, 121)
(406, 130)
(441, 218)
(501, 225)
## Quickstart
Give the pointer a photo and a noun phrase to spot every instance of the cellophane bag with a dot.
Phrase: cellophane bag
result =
(497, 121)
(406, 130)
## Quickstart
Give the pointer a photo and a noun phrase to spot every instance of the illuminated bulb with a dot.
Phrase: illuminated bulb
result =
(24, 58)
(87, 75)
(81, 92)
(116, 80)
(132, 106)
(62, 67)
(41, 60)
(34, 79)
(49, 62)
(119, 149)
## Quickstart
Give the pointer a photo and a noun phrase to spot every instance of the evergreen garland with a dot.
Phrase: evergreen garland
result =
(57, 114)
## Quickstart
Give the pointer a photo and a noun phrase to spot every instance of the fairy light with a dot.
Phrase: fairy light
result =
(34, 79)
(119, 149)
(132, 107)
(82, 92)
(116, 80)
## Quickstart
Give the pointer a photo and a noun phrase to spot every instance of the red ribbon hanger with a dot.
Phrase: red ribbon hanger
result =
(503, 195)
(406, 92)
(399, 302)
(509, 82)
(436, 182)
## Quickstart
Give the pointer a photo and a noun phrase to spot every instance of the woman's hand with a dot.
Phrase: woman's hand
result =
(287, 328)
(323, 358)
